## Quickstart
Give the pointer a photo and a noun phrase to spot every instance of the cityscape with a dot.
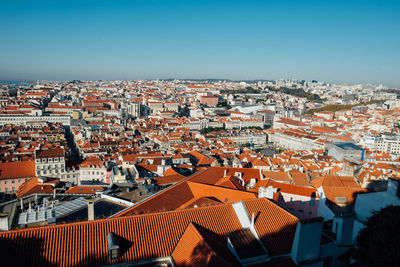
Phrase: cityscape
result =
(203, 164)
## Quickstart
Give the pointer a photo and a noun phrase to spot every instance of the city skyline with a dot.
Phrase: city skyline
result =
(345, 41)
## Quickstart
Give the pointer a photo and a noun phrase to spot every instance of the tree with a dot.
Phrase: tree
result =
(377, 244)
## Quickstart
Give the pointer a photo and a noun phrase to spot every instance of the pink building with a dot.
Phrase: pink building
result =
(13, 174)
(209, 100)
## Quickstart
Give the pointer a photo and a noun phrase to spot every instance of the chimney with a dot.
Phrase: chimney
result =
(114, 251)
(90, 204)
(267, 192)
(242, 214)
(4, 222)
(344, 225)
(306, 242)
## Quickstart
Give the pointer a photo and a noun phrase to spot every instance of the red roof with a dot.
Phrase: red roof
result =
(143, 236)
(18, 169)
(84, 189)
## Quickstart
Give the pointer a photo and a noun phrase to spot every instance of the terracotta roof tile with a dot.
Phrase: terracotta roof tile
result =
(142, 236)
(201, 247)
(84, 189)
(18, 169)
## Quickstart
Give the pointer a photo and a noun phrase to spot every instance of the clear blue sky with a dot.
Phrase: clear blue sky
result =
(340, 41)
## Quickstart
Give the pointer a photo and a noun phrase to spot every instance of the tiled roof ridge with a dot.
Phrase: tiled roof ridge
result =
(156, 194)
(219, 187)
(98, 221)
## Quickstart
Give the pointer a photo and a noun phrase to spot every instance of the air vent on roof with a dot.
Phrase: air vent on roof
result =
(114, 250)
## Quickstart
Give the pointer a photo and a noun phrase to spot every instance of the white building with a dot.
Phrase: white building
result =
(385, 143)
(50, 162)
(293, 141)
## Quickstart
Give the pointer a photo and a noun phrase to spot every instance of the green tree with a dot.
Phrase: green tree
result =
(378, 243)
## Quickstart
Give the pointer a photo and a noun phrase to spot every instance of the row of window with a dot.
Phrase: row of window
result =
(6, 190)
(56, 166)
(21, 180)
(50, 172)
(91, 172)
(45, 160)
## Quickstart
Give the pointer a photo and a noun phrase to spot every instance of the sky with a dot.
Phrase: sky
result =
(335, 41)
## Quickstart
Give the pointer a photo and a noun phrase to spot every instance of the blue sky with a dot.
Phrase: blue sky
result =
(339, 41)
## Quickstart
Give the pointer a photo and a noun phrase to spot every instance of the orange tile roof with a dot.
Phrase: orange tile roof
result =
(288, 188)
(214, 249)
(214, 174)
(168, 179)
(36, 186)
(18, 169)
(278, 176)
(84, 189)
(50, 153)
(143, 236)
(299, 178)
(183, 194)
(339, 186)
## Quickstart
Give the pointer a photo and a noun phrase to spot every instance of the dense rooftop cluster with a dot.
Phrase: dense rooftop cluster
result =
(193, 173)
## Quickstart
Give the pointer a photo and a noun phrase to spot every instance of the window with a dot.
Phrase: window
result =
(5, 182)
(13, 181)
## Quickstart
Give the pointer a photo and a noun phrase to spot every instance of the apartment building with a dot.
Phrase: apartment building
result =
(385, 143)
(50, 162)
